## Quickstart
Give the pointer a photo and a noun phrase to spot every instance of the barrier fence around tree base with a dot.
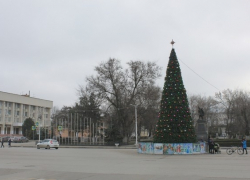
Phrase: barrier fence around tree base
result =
(172, 148)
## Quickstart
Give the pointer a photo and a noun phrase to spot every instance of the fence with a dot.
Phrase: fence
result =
(77, 129)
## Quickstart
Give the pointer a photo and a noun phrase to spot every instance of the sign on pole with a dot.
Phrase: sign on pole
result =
(33, 128)
(37, 124)
(60, 128)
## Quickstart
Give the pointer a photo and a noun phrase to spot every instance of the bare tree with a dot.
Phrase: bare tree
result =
(148, 108)
(119, 88)
(55, 110)
(242, 112)
(227, 100)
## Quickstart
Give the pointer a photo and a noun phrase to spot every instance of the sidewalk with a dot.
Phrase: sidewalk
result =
(32, 144)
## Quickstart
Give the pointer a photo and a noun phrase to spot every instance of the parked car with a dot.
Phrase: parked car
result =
(47, 144)
(24, 139)
(12, 139)
(20, 139)
(16, 139)
(5, 139)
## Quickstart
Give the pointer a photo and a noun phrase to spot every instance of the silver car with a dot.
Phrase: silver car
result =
(48, 143)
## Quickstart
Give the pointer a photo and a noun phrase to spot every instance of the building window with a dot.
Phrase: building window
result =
(17, 105)
(9, 112)
(1, 104)
(40, 110)
(7, 119)
(8, 104)
(17, 113)
(26, 114)
(0, 111)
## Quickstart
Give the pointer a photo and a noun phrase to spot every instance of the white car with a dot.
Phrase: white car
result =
(48, 143)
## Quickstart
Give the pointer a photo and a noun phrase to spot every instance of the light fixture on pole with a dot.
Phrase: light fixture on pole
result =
(135, 123)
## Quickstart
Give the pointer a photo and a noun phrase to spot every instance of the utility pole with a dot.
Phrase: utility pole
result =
(135, 123)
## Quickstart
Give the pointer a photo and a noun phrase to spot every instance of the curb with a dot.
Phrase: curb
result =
(85, 147)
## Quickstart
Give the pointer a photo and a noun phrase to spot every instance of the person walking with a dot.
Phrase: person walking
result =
(210, 146)
(9, 142)
(244, 145)
(2, 146)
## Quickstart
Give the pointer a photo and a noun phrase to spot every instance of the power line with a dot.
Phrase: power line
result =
(200, 76)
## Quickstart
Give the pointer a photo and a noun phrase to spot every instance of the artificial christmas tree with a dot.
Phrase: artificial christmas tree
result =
(175, 124)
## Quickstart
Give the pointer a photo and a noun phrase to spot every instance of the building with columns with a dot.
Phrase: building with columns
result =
(14, 109)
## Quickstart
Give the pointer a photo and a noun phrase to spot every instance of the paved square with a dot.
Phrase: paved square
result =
(23, 163)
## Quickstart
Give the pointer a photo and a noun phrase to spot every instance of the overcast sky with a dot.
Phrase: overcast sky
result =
(48, 47)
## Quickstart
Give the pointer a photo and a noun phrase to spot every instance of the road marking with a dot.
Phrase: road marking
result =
(39, 179)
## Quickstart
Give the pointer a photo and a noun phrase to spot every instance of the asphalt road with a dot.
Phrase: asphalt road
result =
(25, 163)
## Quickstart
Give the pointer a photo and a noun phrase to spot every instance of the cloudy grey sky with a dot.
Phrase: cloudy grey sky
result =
(48, 47)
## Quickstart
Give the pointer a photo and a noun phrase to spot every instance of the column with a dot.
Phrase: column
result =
(3, 117)
(29, 111)
(12, 117)
(21, 117)
(21, 113)
(49, 117)
(36, 113)
(43, 118)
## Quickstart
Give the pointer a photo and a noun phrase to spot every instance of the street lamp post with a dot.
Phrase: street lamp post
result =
(135, 123)
(103, 132)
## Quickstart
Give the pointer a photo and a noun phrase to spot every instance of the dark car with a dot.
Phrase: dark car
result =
(20, 139)
(5, 139)
(24, 139)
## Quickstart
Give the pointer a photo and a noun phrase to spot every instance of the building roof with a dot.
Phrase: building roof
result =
(25, 99)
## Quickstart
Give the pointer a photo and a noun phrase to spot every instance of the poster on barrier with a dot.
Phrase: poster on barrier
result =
(203, 147)
(168, 148)
(171, 148)
(158, 148)
(178, 148)
(196, 148)
(139, 149)
(143, 148)
(190, 148)
(149, 148)
(183, 148)
(187, 148)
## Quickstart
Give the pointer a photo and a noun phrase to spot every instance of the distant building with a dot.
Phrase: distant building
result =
(14, 109)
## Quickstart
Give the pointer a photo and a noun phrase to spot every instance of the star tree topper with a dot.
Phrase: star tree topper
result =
(172, 42)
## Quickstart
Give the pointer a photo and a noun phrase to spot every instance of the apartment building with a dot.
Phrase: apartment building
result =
(14, 109)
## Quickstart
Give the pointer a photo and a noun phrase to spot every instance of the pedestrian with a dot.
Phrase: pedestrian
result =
(210, 145)
(244, 145)
(9, 142)
(2, 146)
